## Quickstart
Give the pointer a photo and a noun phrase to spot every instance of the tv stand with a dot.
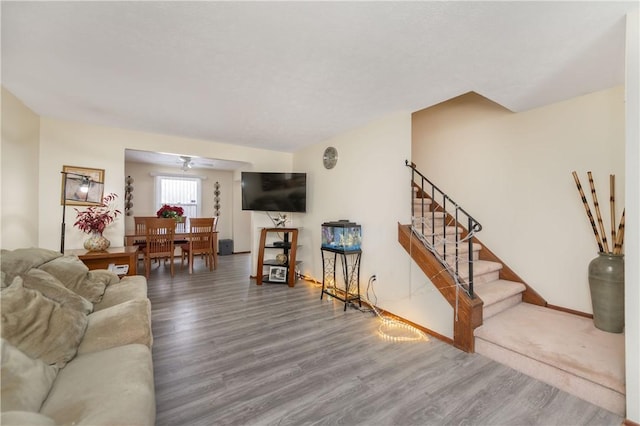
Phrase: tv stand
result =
(272, 270)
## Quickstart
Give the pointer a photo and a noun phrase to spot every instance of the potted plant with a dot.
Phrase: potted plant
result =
(173, 212)
(94, 221)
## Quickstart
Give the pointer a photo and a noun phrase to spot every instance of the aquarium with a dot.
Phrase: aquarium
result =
(341, 235)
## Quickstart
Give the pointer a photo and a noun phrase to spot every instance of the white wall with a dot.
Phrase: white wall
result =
(86, 145)
(512, 172)
(20, 142)
(370, 185)
(632, 238)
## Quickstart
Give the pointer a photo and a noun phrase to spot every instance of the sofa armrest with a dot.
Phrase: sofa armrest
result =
(129, 288)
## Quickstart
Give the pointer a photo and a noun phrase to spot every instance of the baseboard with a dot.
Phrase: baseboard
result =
(628, 422)
(570, 311)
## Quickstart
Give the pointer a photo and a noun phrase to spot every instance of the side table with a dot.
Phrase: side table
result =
(350, 260)
(112, 255)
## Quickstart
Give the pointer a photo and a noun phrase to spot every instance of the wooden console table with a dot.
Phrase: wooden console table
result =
(102, 259)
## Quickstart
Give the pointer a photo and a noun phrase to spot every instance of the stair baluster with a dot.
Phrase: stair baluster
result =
(428, 234)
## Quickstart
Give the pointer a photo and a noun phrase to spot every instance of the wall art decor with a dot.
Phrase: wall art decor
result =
(128, 196)
(81, 186)
(216, 198)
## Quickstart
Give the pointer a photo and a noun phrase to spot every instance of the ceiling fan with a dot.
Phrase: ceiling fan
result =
(187, 163)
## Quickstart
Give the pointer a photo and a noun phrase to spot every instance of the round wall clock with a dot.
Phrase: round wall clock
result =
(330, 157)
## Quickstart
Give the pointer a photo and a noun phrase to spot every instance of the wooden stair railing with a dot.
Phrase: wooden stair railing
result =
(469, 310)
(506, 273)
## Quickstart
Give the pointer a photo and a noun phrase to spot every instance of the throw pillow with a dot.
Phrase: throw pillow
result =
(19, 261)
(51, 287)
(38, 326)
(75, 275)
(25, 381)
(119, 325)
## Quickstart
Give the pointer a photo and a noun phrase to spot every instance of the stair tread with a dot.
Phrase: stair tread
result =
(449, 230)
(429, 214)
(495, 291)
(568, 342)
(462, 248)
(479, 267)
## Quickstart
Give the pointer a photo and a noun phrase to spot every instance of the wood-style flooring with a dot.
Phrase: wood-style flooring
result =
(228, 352)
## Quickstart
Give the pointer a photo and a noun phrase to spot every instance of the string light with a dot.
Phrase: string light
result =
(388, 326)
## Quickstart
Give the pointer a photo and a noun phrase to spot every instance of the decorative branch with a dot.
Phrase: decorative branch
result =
(588, 210)
(612, 207)
(617, 249)
(617, 237)
(597, 207)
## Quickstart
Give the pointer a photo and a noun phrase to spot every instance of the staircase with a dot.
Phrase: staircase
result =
(515, 327)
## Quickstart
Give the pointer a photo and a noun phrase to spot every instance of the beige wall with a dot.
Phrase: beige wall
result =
(20, 168)
(512, 172)
(64, 142)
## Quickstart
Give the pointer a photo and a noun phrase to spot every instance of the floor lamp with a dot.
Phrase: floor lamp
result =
(81, 185)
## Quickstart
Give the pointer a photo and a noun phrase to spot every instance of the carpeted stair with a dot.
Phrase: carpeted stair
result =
(558, 348)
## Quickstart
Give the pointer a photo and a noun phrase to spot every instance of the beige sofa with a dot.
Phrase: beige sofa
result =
(76, 344)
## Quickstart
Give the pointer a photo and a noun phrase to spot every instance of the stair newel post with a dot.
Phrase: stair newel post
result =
(470, 227)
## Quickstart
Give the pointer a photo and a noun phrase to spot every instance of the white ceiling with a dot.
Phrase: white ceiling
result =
(283, 75)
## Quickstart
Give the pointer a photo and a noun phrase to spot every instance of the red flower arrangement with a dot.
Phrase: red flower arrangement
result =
(170, 211)
(96, 218)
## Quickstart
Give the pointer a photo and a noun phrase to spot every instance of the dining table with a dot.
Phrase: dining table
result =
(178, 238)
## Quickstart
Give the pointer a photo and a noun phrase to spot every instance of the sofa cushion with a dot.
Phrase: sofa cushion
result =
(22, 418)
(129, 288)
(25, 381)
(110, 387)
(51, 287)
(75, 275)
(19, 261)
(38, 326)
(122, 324)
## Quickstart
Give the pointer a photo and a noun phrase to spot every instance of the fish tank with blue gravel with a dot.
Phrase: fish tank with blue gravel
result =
(341, 235)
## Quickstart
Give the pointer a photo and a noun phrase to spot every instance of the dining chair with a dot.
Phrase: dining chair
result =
(160, 234)
(140, 232)
(202, 237)
(181, 230)
(140, 229)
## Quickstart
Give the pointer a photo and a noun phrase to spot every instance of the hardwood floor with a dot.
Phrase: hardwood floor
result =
(228, 352)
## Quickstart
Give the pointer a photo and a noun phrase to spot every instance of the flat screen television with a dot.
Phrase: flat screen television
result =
(274, 192)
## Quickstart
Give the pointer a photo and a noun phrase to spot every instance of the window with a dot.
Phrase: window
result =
(179, 191)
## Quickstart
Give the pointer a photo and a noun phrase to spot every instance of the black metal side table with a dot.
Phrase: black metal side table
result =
(350, 260)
